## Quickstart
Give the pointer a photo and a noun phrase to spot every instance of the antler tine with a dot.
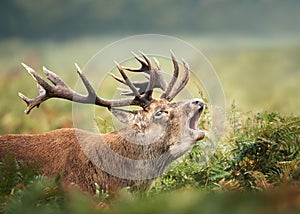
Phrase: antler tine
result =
(147, 60)
(31, 103)
(140, 85)
(174, 78)
(157, 63)
(37, 77)
(42, 87)
(92, 98)
(160, 80)
(144, 65)
(128, 82)
(184, 80)
(56, 80)
(151, 84)
(118, 78)
(91, 91)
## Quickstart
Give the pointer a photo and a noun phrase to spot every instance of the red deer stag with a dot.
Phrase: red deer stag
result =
(155, 136)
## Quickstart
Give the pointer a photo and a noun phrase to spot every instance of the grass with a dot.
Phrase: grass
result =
(255, 77)
(261, 78)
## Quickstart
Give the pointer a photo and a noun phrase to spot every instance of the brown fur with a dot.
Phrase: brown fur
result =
(59, 152)
(84, 158)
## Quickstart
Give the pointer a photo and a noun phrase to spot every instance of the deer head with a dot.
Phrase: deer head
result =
(159, 127)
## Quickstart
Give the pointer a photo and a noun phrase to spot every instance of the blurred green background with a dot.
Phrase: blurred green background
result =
(253, 45)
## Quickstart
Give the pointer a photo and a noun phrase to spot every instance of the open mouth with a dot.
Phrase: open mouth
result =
(195, 118)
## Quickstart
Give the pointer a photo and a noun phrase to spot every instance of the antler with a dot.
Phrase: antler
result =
(60, 89)
(174, 78)
(146, 66)
(184, 80)
(158, 79)
(142, 91)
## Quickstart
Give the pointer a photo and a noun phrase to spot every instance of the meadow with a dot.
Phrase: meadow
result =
(256, 74)
(255, 168)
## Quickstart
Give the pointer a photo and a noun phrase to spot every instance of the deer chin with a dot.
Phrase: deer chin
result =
(193, 124)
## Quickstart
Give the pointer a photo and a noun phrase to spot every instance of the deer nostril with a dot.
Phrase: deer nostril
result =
(198, 102)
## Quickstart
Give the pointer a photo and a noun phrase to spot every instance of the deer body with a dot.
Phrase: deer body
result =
(60, 152)
(154, 137)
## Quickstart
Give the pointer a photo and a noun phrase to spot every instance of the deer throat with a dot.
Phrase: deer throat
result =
(193, 124)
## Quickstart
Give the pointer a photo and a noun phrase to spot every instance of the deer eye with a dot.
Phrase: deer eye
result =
(159, 113)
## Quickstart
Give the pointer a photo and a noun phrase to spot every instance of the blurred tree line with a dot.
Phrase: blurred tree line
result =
(71, 18)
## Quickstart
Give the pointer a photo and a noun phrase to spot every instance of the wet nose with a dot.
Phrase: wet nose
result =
(198, 102)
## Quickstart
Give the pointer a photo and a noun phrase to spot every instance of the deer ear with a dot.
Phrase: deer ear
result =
(124, 116)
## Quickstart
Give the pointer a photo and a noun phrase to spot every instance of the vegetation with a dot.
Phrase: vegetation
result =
(257, 77)
(261, 151)
(256, 168)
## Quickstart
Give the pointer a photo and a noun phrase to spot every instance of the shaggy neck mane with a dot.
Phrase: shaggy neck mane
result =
(123, 144)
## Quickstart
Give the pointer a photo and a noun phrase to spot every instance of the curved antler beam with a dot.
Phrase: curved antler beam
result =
(184, 80)
(174, 77)
(142, 91)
